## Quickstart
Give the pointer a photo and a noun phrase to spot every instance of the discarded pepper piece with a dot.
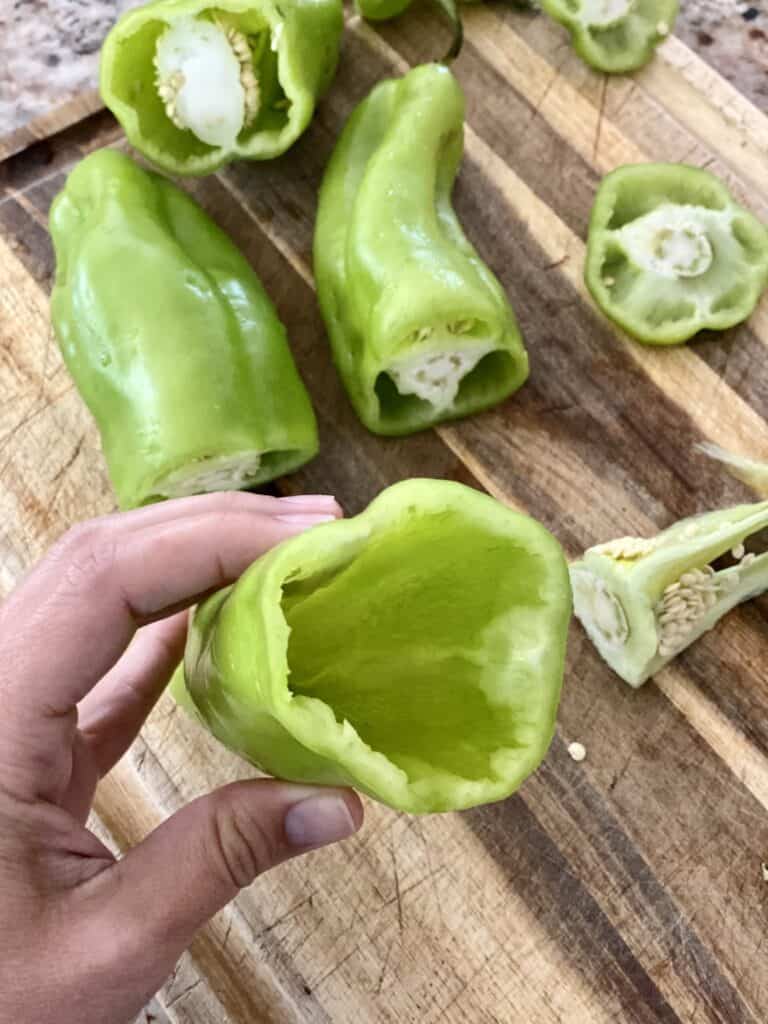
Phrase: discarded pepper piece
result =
(615, 35)
(644, 600)
(383, 10)
(171, 339)
(195, 85)
(421, 330)
(671, 253)
(414, 652)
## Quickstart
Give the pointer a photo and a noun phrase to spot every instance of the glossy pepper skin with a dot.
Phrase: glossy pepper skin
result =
(615, 35)
(671, 253)
(414, 652)
(287, 52)
(421, 330)
(170, 339)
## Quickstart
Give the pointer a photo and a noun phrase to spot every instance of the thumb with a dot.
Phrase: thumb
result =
(197, 861)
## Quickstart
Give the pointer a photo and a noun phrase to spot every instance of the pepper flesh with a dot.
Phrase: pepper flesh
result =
(414, 652)
(644, 600)
(195, 85)
(171, 339)
(421, 330)
(615, 35)
(671, 253)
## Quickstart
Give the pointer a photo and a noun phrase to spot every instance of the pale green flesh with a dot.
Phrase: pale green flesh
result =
(410, 642)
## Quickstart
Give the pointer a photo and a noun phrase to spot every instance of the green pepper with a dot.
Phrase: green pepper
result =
(670, 253)
(196, 84)
(752, 472)
(171, 339)
(414, 652)
(382, 10)
(421, 330)
(615, 35)
(644, 600)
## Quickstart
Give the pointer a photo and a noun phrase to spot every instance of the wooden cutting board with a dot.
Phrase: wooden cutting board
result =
(627, 887)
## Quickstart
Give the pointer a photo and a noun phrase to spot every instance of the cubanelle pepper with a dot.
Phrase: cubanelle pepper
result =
(615, 35)
(421, 330)
(414, 652)
(671, 253)
(196, 84)
(644, 600)
(171, 340)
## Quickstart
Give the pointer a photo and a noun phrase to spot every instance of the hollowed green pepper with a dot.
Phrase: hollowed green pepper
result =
(671, 252)
(644, 600)
(195, 84)
(171, 339)
(421, 330)
(414, 652)
(615, 35)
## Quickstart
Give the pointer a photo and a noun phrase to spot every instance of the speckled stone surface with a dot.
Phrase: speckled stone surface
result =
(49, 48)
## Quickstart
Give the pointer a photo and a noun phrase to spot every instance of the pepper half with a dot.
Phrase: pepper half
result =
(644, 600)
(196, 84)
(171, 339)
(671, 253)
(421, 330)
(414, 652)
(615, 35)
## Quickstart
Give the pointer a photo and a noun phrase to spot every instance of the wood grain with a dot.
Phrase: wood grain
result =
(627, 887)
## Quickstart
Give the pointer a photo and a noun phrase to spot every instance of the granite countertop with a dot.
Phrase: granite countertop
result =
(49, 49)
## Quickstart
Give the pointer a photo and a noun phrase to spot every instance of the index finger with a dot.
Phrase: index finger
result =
(65, 626)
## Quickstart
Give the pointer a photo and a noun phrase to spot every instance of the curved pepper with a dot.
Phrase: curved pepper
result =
(171, 339)
(414, 652)
(644, 600)
(671, 252)
(421, 330)
(382, 10)
(196, 84)
(615, 35)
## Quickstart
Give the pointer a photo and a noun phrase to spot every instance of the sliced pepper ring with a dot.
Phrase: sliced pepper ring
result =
(414, 652)
(671, 253)
(615, 35)
(270, 61)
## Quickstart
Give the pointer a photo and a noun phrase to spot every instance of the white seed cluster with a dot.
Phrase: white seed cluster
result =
(248, 80)
(168, 89)
(627, 548)
(686, 602)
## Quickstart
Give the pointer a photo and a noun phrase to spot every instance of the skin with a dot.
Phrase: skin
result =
(84, 936)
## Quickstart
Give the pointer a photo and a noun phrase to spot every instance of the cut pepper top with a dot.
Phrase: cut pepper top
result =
(615, 35)
(196, 85)
(671, 253)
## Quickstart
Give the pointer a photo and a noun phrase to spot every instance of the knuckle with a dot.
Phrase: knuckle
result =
(88, 550)
(242, 846)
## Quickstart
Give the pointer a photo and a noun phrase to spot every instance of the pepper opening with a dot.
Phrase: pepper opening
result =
(479, 386)
(429, 681)
(143, 81)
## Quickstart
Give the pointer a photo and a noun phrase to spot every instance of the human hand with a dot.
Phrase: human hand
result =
(88, 642)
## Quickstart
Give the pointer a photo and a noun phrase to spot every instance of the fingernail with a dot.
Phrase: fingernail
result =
(309, 499)
(306, 518)
(319, 820)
